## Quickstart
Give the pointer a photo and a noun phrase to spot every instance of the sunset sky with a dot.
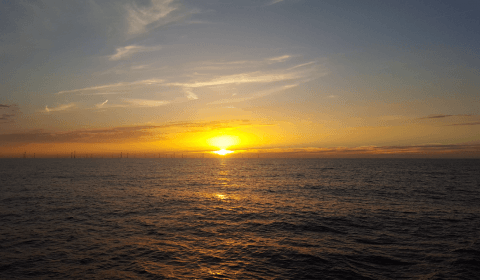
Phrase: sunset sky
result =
(282, 77)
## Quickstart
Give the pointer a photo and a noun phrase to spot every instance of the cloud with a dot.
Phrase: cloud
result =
(190, 94)
(273, 2)
(112, 88)
(138, 67)
(62, 107)
(127, 51)
(6, 117)
(472, 123)
(254, 96)
(100, 105)
(301, 65)
(437, 117)
(8, 113)
(242, 84)
(118, 134)
(280, 58)
(415, 151)
(470, 117)
(140, 19)
(245, 78)
(104, 93)
(444, 116)
(146, 103)
(268, 82)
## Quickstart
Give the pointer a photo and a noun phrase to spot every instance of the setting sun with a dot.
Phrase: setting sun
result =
(224, 141)
(223, 152)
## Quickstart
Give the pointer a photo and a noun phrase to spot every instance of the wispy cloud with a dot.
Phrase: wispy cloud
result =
(145, 102)
(245, 78)
(468, 119)
(104, 93)
(127, 51)
(301, 65)
(6, 117)
(267, 82)
(280, 58)
(62, 107)
(117, 134)
(112, 88)
(471, 123)
(254, 96)
(142, 18)
(8, 112)
(100, 105)
(436, 117)
(440, 116)
(273, 2)
(138, 67)
(190, 94)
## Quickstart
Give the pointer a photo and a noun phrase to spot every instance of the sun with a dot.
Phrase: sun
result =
(223, 152)
(224, 141)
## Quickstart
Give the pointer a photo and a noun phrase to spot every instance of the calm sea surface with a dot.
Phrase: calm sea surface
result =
(239, 219)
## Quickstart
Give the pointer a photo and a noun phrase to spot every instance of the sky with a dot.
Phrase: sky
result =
(284, 78)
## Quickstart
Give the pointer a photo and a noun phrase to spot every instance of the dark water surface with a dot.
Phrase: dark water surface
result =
(239, 219)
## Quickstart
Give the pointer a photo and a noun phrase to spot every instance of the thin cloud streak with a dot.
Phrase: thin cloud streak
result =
(246, 78)
(117, 134)
(280, 58)
(440, 116)
(140, 18)
(127, 51)
(255, 96)
(100, 105)
(6, 117)
(62, 107)
(146, 103)
(273, 2)
(191, 95)
(213, 65)
(118, 86)
(460, 124)
(301, 65)
(8, 113)
(432, 150)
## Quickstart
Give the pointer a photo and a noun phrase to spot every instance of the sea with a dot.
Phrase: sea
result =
(235, 218)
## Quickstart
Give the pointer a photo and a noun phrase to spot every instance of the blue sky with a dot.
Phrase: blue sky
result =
(317, 70)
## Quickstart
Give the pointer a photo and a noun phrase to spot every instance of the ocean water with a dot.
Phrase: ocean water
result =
(239, 219)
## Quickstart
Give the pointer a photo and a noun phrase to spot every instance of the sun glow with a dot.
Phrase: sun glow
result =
(223, 152)
(224, 141)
